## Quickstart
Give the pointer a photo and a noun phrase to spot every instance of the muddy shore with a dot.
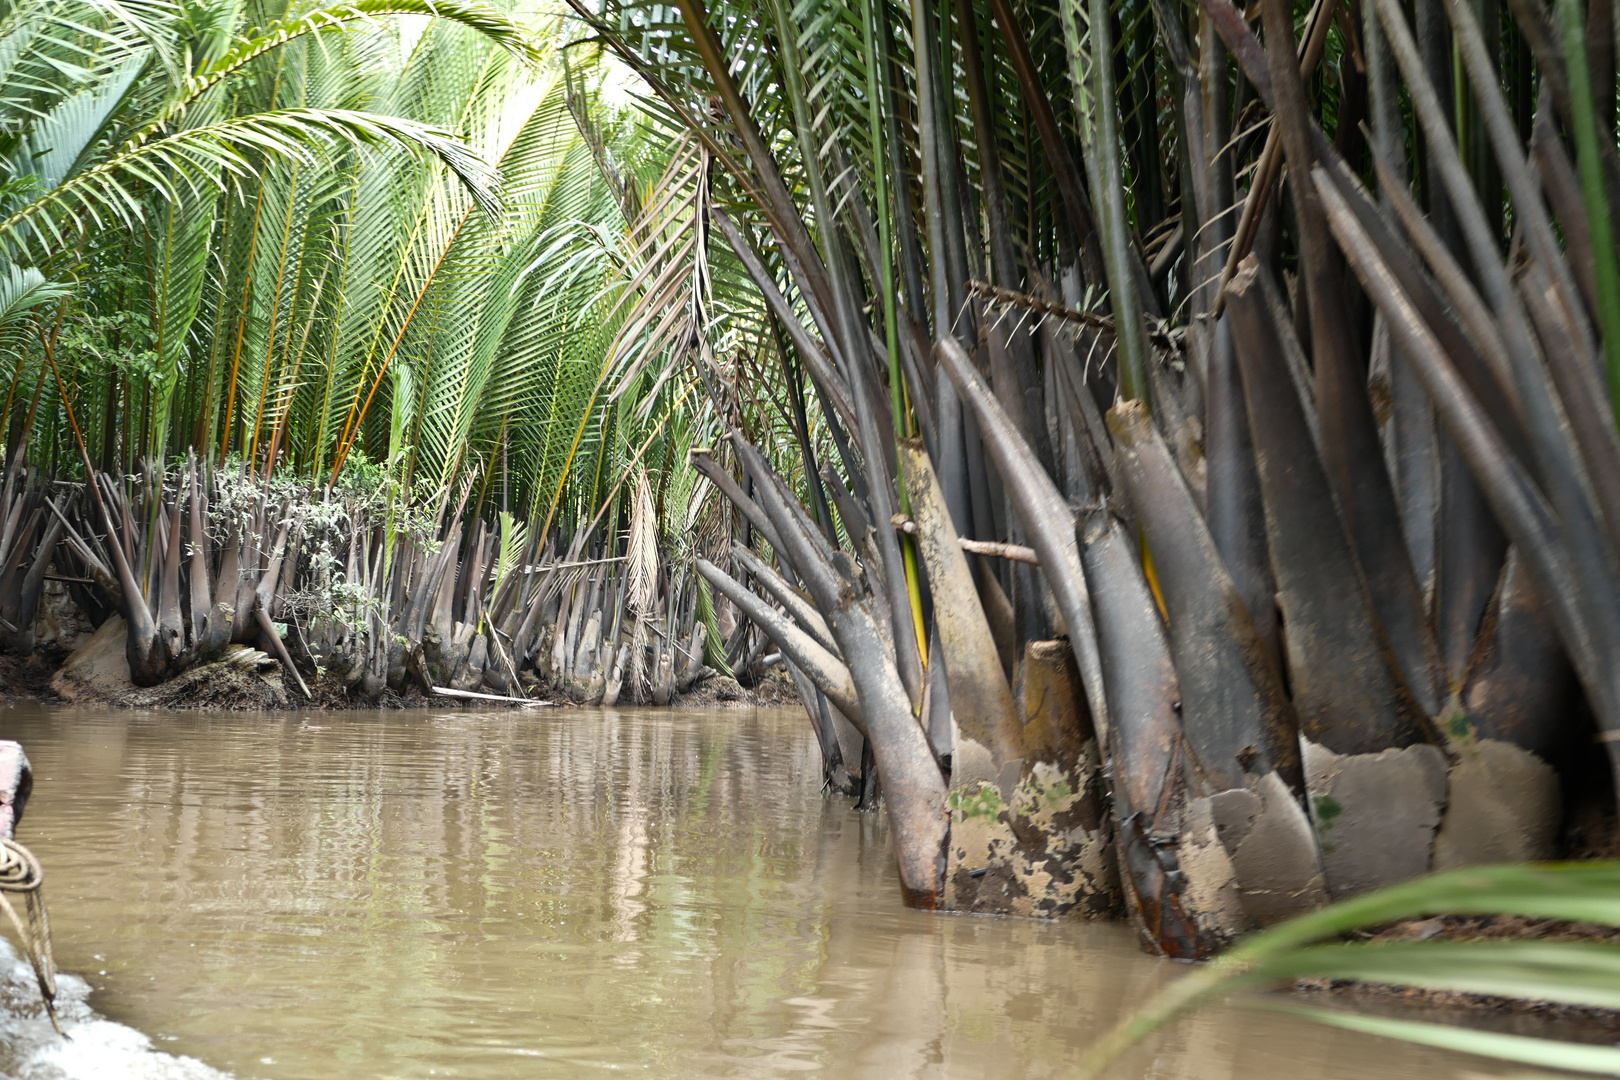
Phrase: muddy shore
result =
(95, 673)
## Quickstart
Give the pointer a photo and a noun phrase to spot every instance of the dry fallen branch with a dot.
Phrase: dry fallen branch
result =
(1013, 552)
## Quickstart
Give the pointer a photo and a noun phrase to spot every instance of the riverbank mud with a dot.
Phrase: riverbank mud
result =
(96, 672)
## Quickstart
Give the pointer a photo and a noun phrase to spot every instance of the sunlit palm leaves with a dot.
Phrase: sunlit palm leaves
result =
(269, 270)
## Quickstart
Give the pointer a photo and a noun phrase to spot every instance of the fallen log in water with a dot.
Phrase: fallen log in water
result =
(445, 691)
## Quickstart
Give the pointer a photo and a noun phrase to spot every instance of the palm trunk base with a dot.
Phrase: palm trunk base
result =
(1375, 814)
(1034, 838)
(1503, 805)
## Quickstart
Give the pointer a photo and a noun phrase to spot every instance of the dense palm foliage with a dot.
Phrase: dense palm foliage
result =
(1268, 350)
(255, 261)
(383, 257)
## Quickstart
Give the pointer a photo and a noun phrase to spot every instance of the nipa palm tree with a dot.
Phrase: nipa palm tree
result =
(1175, 336)
(325, 311)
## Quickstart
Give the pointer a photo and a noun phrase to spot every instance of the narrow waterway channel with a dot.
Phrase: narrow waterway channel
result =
(561, 894)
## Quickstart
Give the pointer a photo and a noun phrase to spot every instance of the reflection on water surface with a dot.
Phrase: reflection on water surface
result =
(557, 895)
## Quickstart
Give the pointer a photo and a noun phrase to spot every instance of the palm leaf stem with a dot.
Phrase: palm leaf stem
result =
(1606, 269)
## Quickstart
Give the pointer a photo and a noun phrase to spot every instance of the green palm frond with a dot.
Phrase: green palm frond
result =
(22, 289)
(1573, 973)
(491, 23)
(60, 140)
(112, 192)
(179, 273)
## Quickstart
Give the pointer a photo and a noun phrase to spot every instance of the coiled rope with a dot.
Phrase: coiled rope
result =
(20, 873)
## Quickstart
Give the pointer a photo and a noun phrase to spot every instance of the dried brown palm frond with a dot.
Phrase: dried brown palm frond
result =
(641, 557)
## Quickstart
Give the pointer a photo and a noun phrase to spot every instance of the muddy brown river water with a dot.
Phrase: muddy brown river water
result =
(552, 894)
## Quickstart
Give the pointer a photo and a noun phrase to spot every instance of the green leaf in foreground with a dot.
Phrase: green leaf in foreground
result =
(1547, 1053)
(1574, 973)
